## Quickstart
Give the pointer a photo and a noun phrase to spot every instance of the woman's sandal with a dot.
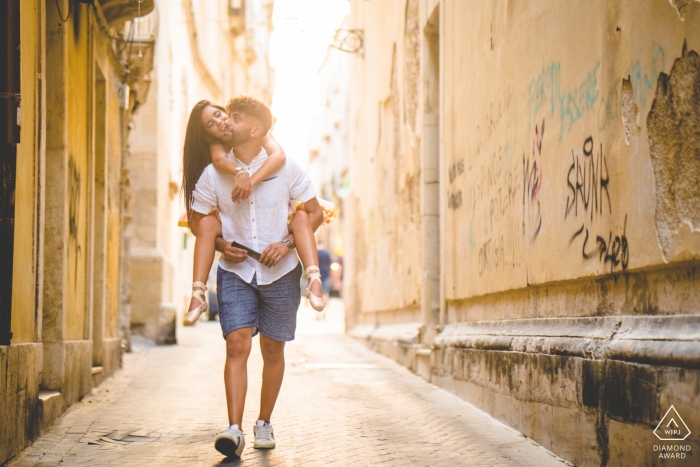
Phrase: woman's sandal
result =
(193, 315)
(314, 274)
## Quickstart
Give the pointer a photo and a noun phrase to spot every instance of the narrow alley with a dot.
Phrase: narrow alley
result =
(341, 404)
(501, 197)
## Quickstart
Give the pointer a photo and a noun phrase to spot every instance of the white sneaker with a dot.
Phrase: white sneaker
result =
(264, 435)
(230, 442)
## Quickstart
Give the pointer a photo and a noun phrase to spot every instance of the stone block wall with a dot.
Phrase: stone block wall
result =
(20, 375)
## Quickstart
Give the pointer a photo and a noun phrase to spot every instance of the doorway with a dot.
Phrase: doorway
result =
(9, 137)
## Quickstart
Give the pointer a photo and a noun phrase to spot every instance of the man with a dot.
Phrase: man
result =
(255, 296)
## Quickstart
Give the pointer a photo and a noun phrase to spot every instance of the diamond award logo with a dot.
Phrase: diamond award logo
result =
(672, 427)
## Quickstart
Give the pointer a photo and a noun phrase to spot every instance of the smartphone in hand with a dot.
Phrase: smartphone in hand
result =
(252, 253)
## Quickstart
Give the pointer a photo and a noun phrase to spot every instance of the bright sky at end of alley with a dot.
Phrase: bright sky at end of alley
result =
(303, 29)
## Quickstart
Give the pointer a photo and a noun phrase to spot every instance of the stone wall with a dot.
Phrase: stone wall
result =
(20, 375)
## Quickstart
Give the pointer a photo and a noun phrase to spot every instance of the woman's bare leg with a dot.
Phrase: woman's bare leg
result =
(305, 243)
(204, 249)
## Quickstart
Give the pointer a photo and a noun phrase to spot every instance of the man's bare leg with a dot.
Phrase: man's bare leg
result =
(273, 372)
(238, 344)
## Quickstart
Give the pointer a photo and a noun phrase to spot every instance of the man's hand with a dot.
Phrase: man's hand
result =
(242, 188)
(273, 254)
(230, 253)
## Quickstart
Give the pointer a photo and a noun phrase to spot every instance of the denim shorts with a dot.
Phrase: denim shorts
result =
(270, 309)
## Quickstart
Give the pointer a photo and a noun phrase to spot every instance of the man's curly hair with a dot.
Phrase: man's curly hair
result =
(253, 107)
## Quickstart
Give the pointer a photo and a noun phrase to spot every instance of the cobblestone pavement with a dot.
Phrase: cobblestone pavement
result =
(340, 404)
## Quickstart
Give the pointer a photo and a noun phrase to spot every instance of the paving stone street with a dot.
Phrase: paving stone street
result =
(340, 404)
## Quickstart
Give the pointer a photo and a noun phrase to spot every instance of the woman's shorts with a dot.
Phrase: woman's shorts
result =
(270, 309)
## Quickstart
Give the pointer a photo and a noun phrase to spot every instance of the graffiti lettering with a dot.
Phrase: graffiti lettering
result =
(545, 91)
(454, 200)
(490, 123)
(496, 111)
(499, 252)
(495, 189)
(545, 87)
(575, 104)
(74, 213)
(590, 182)
(456, 170)
(609, 108)
(643, 79)
(532, 182)
(614, 251)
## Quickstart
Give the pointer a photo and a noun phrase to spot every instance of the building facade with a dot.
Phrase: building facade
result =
(66, 104)
(210, 50)
(523, 224)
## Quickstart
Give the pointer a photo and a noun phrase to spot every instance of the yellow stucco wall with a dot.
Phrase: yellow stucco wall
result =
(78, 90)
(24, 275)
(548, 172)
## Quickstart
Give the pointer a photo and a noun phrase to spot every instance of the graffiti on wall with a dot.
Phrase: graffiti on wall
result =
(578, 101)
(615, 251)
(609, 108)
(494, 198)
(532, 183)
(644, 75)
(587, 181)
(74, 214)
(588, 198)
(641, 76)
(489, 201)
(498, 251)
(489, 124)
(454, 198)
(545, 91)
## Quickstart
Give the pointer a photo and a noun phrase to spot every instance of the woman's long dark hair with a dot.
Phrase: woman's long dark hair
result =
(195, 154)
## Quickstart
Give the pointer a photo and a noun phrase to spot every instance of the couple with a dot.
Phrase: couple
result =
(245, 195)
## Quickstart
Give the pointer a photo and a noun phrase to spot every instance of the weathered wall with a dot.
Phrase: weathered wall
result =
(78, 99)
(20, 375)
(21, 362)
(384, 268)
(26, 277)
(68, 230)
(569, 212)
(560, 170)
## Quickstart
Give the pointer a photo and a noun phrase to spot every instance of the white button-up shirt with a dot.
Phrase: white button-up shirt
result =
(258, 221)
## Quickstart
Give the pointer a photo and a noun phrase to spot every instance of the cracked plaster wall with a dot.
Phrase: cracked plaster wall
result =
(673, 125)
